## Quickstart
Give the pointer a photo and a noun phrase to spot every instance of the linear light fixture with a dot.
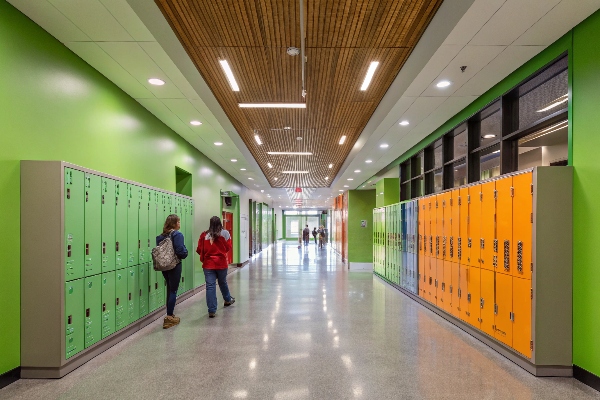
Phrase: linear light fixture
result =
(229, 74)
(330, 166)
(369, 76)
(342, 139)
(555, 103)
(257, 138)
(289, 153)
(404, 123)
(294, 172)
(544, 132)
(270, 165)
(272, 105)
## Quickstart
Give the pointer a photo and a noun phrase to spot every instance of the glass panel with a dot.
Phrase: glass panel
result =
(548, 146)
(405, 171)
(438, 180)
(405, 191)
(489, 162)
(491, 124)
(437, 154)
(459, 169)
(460, 141)
(545, 94)
(418, 187)
(419, 168)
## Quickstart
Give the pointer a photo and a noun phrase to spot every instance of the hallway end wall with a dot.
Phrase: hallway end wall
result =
(360, 238)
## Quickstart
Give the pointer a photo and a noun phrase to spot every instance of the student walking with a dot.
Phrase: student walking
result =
(213, 246)
(306, 235)
(173, 276)
(314, 233)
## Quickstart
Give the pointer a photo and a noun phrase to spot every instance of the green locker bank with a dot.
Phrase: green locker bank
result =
(87, 277)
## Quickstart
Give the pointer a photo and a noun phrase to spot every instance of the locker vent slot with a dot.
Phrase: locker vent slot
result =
(459, 248)
(482, 243)
(495, 245)
(451, 246)
(437, 245)
(444, 247)
(520, 256)
(496, 309)
(495, 261)
(431, 244)
(68, 193)
(506, 255)
(87, 312)
(469, 242)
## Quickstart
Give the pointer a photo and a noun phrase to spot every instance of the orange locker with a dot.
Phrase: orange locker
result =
(474, 295)
(447, 206)
(462, 251)
(455, 284)
(504, 224)
(439, 225)
(439, 279)
(421, 223)
(474, 200)
(455, 222)
(427, 227)
(503, 329)
(446, 285)
(486, 303)
(521, 247)
(428, 279)
(521, 316)
(421, 275)
(463, 291)
(488, 231)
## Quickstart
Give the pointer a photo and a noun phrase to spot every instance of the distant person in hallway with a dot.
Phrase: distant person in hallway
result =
(306, 235)
(314, 233)
(172, 276)
(213, 246)
(321, 236)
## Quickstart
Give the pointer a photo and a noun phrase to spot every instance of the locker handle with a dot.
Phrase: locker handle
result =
(117, 201)
(156, 285)
(103, 307)
(70, 319)
(117, 301)
(139, 244)
(87, 196)
(469, 297)
(149, 288)
(68, 194)
(103, 247)
(481, 302)
(87, 249)
(140, 292)
(183, 279)
(69, 250)
(87, 312)
(102, 199)
(129, 296)
(148, 242)
(117, 246)
(495, 309)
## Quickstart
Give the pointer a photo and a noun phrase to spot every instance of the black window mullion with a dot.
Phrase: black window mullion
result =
(473, 136)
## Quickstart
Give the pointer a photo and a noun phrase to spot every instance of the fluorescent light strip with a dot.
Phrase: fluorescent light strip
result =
(272, 105)
(229, 74)
(342, 139)
(257, 138)
(557, 102)
(290, 153)
(294, 172)
(369, 76)
(270, 165)
(546, 131)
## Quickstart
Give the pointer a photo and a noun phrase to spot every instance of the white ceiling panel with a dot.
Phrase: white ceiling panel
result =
(134, 59)
(442, 57)
(123, 13)
(93, 19)
(51, 19)
(474, 58)
(186, 112)
(512, 20)
(558, 22)
(420, 109)
(473, 20)
(91, 53)
(506, 62)
(162, 112)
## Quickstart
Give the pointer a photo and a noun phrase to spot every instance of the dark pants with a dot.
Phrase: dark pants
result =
(173, 277)
(315, 239)
(212, 276)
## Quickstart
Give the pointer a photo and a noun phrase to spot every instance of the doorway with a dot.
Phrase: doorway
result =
(228, 225)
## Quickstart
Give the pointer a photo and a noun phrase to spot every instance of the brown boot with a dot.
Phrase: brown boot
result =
(170, 321)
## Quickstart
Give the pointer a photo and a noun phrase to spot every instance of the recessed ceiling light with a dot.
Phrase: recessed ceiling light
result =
(330, 165)
(404, 123)
(299, 138)
(270, 165)
(233, 160)
(287, 128)
(294, 172)
(342, 139)
(229, 74)
(384, 145)
(257, 138)
(218, 144)
(251, 179)
(369, 75)
(346, 186)
(290, 153)
(326, 178)
(357, 170)
(262, 190)
(443, 84)
(490, 136)
(196, 123)
(340, 190)
(275, 178)
(350, 179)
(368, 161)
(272, 105)
(156, 81)
(242, 169)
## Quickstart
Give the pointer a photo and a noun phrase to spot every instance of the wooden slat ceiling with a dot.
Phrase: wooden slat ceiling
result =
(342, 39)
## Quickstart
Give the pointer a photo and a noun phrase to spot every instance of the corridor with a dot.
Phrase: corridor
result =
(303, 326)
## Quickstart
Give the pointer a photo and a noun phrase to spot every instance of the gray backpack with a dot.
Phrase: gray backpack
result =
(163, 255)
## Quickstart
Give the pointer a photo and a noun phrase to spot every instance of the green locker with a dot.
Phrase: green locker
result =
(133, 297)
(93, 309)
(181, 289)
(108, 303)
(153, 290)
(153, 229)
(74, 226)
(189, 284)
(93, 225)
(120, 225)
(161, 289)
(144, 289)
(133, 244)
(108, 224)
(144, 209)
(74, 312)
(121, 299)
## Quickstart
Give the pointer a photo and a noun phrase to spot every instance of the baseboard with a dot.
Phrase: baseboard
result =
(358, 266)
(10, 377)
(586, 377)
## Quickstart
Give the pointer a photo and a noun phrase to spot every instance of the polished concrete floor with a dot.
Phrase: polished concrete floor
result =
(302, 327)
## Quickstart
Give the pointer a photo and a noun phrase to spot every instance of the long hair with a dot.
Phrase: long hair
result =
(170, 224)
(215, 228)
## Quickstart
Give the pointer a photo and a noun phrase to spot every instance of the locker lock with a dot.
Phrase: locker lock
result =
(129, 296)
(87, 197)
(102, 199)
(496, 309)
(68, 193)
(69, 250)
(156, 285)
(117, 246)
(87, 312)
(481, 302)
(103, 247)
(469, 297)
(140, 292)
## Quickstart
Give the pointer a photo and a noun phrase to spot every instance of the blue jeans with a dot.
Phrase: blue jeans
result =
(173, 277)
(212, 275)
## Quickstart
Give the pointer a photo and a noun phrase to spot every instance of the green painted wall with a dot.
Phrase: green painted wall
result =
(388, 191)
(56, 107)
(360, 240)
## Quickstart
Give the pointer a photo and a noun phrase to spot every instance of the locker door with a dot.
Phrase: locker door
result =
(143, 211)
(421, 224)
(108, 303)
(503, 311)
(439, 226)
(133, 244)
(447, 209)
(463, 293)
(421, 276)
(444, 285)
(93, 309)
(488, 211)
(120, 225)
(108, 224)
(74, 313)
(455, 284)
(504, 225)
(455, 225)
(522, 226)
(153, 285)
(133, 298)
(144, 289)
(74, 201)
(160, 289)
(154, 226)
(121, 299)
(474, 219)
(522, 316)
(439, 283)
(486, 303)
(462, 250)
(424, 216)
(474, 295)
(93, 225)
(189, 273)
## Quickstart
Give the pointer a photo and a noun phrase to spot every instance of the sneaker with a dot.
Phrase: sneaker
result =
(170, 321)
(211, 315)
(230, 302)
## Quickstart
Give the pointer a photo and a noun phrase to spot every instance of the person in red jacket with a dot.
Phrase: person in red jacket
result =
(213, 246)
